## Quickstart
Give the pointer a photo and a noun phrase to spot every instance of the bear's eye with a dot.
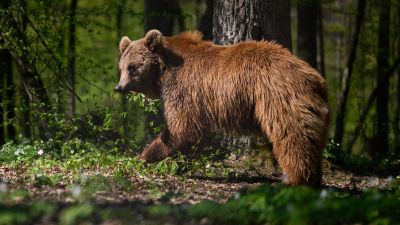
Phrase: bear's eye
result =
(131, 70)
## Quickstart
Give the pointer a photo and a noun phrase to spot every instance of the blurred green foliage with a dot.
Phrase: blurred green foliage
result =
(269, 204)
(303, 205)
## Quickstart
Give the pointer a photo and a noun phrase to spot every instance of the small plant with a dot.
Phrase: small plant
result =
(149, 105)
(332, 151)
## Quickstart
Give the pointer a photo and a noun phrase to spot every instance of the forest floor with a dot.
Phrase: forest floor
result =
(155, 189)
(49, 192)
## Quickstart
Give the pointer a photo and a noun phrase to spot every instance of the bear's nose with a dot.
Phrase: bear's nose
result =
(118, 88)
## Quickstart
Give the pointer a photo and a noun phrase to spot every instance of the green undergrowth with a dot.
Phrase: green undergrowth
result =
(361, 163)
(301, 205)
(269, 204)
(40, 158)
(77, 155)
(48, 212)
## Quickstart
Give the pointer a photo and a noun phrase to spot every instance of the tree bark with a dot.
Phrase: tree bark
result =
(61, 101)
(241, 20)
(5, 65)
(396, 126)
(26, 111)
(206, 21)
(320, 40)
(275, 21)
(307, 16)
(396, 121)
(7, 89)
(10, 113)
(2, 109)
(236, 21)
(339, 45)
(71, 60)
(118, 28)
(380, 142)
(347, 73)
(25, 114)
(6, 73)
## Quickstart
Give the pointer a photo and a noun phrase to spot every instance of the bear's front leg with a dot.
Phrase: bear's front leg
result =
(158, 149)
(179, 135)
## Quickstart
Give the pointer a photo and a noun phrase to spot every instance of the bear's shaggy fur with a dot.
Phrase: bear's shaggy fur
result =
(253, 86)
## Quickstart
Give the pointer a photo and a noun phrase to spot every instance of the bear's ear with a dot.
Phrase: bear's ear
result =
(123, 44)
(153, 39)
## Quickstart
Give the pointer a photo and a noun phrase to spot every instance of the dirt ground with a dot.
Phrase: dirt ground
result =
(166, 188)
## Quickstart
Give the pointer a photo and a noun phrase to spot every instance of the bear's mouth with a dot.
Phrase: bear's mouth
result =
(126, 89)
(134, 89)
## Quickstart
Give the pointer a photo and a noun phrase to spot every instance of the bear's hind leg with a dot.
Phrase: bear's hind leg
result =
(298, 135)
(300, 159)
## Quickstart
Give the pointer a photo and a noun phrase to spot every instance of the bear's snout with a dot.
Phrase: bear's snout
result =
(118, 88)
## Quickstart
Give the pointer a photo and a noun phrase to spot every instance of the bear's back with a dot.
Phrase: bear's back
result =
(224, 82)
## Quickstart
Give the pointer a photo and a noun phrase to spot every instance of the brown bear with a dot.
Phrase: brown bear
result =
(252, 86)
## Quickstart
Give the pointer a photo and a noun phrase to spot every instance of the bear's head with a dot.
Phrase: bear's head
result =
(140, 65)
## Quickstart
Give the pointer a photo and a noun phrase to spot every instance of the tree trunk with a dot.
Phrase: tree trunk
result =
(396, 121)
(380, 142)
(320, 40)
(396, 126)
(10, 115)
(5, 66)
(61, 100)
(275, 21)
(338, 42)
(71, 60)
(241, 20)
(6, 90)
(206, 21)
(361, 120)
(347, 73)
(25, 114)
(26, 111)
(2, 109)
(118, 28)
(307, 13)
(162, 15)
